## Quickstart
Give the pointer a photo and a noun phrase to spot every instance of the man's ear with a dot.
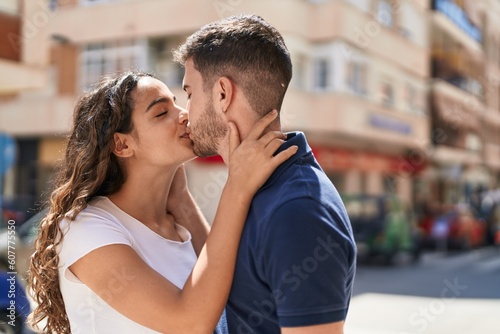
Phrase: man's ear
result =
(224, 91)
(121, 148)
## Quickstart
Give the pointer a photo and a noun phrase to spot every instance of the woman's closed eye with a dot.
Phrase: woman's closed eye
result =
(163, 113)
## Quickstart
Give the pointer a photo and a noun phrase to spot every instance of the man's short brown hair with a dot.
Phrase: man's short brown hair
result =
(246, 49)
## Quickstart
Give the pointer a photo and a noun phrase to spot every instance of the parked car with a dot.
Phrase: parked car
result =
(382, 227)
(455, 227)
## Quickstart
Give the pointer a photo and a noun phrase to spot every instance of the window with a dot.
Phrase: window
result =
(171, 73)
(414, 99)
(322, 74)
(411, 97)
(299, 68)
(390, 184)
(99, 59)
(357, 78)
(473, 142)
(411, 22)
(387, 94)
(160, 60)
(384, 13)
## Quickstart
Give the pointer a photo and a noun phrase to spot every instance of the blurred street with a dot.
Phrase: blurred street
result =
(454, 292)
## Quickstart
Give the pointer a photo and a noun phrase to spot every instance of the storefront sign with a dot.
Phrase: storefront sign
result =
(388, 123)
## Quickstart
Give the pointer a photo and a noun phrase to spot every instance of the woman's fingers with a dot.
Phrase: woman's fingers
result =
(272, 137)
(262, 124)
(283, 156)
(273, 146)
(234, 137)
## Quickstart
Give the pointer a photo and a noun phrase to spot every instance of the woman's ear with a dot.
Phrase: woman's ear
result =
(224, 91)
(121, 148)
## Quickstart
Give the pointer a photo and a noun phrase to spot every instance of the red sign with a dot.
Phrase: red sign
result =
(335, 159)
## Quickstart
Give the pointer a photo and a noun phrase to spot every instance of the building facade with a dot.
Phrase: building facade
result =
(23, 68)
(464, 99)
(370, 87)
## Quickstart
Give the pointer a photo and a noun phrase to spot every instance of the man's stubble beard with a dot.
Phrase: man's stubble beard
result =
(208, 132)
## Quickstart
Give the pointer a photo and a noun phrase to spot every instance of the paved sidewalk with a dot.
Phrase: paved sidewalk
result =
(393, 314)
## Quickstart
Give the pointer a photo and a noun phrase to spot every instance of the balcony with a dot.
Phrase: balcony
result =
(37, 116)
(442, 22)
(457, 70)
(327, 21)
(456, 106)
(130, 19)
(17, 77)
(457, 124)
(365, 32)
(348, 119)
(22, 48)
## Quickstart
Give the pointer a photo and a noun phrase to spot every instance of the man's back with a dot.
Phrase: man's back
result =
(296, 260)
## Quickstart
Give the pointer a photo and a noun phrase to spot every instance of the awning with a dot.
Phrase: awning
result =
(338, 159)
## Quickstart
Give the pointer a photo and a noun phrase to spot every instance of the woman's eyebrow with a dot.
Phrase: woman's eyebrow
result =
(159, 100)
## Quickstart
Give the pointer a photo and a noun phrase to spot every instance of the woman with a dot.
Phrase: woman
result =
(114, 254)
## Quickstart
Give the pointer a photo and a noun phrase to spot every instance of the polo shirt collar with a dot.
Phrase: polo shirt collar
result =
(293, 138)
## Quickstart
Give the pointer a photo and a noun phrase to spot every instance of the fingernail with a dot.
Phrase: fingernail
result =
(274, 112)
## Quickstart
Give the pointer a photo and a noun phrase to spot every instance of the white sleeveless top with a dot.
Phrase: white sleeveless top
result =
(103, 223)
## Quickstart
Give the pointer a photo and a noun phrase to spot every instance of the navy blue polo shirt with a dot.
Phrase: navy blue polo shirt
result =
(297, 257)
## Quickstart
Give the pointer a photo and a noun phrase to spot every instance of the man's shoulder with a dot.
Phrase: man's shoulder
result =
(299, 182)
(310, 198)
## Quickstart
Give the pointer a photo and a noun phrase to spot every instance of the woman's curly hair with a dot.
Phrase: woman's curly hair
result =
(89, 169)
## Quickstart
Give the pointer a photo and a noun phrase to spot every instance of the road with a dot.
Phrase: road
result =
(455, 293)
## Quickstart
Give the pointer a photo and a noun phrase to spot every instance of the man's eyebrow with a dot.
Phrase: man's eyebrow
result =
(159, 100)
(185, 87)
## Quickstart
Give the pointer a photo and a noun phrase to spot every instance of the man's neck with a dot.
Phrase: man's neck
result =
(244, 131)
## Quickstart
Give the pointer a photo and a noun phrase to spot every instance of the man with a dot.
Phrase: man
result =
(296, 260)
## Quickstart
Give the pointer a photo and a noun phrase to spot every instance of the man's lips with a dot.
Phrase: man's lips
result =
(185, 135)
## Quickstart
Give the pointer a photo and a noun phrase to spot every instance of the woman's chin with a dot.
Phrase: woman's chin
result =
(191, 157)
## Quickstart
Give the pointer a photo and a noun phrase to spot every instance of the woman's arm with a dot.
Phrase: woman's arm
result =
(143, 295)
(186, 212)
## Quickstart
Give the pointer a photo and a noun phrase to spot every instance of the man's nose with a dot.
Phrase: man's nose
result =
(183, 116)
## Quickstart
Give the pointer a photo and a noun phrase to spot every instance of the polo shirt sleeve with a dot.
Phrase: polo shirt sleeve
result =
(307, 259)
